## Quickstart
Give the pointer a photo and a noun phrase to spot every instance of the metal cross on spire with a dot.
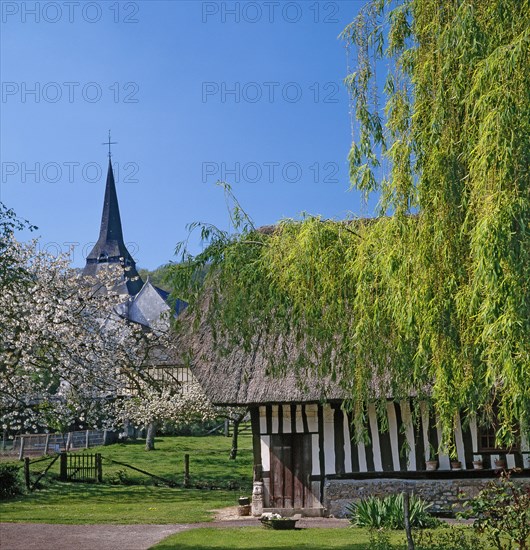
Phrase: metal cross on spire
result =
(109, 143)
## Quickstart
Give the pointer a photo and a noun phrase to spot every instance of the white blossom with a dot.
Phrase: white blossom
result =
(66, 357)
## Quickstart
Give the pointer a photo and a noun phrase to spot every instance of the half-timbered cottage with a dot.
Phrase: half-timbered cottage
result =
(305, 458)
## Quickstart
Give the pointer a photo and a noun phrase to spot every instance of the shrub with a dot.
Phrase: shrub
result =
(10, 483)
(502, 509)
(451, 538)
(119, 477)
(388, 512)
(380, 540)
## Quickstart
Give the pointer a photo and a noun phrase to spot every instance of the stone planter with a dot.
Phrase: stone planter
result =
(244, 506)
(243, 510)
(279, 524)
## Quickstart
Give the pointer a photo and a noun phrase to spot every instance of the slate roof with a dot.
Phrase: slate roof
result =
(147, 307)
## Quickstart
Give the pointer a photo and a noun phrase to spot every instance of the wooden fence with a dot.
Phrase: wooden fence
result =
(45, 444)
(86, 468)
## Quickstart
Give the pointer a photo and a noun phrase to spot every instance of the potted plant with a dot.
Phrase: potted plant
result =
(244, 506)
(432, 462)
(431, 465)
(477, 463)
(456, 465)
(500, 463)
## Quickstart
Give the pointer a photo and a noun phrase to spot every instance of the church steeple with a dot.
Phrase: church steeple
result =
(110, 247)
(110, 242)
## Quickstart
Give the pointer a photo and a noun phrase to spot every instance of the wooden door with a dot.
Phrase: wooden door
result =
(291, 471)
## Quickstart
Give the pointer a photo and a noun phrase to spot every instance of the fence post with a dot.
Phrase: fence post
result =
(21, 452)
(26, 472)
(63, 466)
(186, 470)
(99, 468)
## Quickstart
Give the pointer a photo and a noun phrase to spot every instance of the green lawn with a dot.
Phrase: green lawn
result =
(266, 539)
(80, 503)
(139, 500)
(210, 466)
(307, 539)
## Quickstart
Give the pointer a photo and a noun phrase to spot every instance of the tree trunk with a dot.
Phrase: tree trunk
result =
(406, 513)
(150, 437)
(235, 433)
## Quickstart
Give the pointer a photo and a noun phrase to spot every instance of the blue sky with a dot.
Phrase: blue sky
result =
(248, 92)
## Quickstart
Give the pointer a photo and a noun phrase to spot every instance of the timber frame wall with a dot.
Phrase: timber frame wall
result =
(399, 451)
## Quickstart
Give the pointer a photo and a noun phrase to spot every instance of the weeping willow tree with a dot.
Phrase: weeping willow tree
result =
(432, 297)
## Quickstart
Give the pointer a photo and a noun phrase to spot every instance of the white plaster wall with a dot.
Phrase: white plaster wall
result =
(329, 440)
(265, 441)
(374, 433)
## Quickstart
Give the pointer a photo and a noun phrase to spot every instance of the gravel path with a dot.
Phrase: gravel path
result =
(41, 536)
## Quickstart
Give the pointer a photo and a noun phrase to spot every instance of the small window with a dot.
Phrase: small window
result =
(487, 438)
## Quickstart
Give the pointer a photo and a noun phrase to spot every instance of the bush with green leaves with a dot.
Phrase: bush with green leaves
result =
(380, 540)
(119, 477)
(451, 538)
(502, 511)
(447, 538)
(388, 512)
(10, 482)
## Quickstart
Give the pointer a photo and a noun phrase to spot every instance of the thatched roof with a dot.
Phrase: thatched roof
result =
(238, 377)
(231, 375)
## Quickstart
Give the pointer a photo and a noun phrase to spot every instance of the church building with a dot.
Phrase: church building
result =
(143, 302)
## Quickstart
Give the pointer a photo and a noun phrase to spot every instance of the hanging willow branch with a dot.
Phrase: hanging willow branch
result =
(433, 300)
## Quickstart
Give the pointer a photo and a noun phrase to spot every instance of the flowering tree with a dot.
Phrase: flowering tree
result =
(66, 357)
(61, 357)
(180, 405)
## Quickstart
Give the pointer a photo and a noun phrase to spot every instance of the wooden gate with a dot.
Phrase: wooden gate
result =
(291, 471)
(81, 467)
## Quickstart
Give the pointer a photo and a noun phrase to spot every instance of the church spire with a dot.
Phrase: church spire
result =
(110, 233)
(110, 247)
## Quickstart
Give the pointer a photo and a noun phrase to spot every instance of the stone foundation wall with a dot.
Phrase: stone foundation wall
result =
(443, 493)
